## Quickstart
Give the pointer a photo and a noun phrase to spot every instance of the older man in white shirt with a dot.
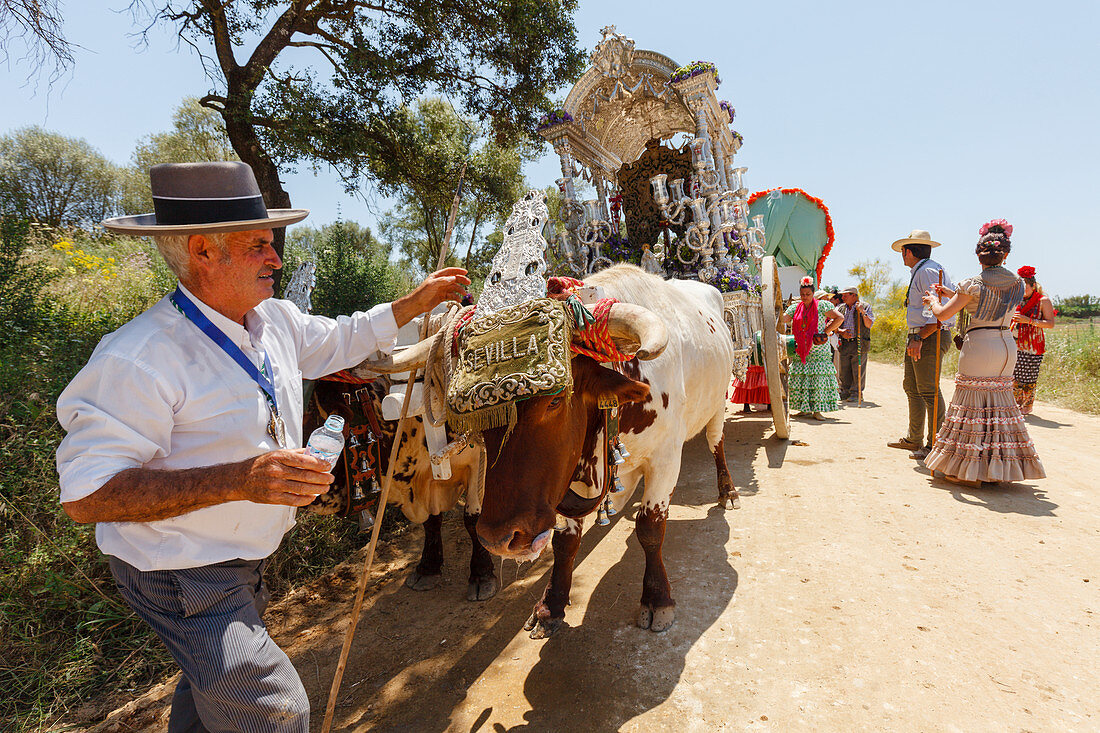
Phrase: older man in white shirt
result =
(184, 439)
(922, 357)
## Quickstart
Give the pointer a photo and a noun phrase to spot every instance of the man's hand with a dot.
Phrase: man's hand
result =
(290, 476)
(446, 284)
(913, 349)
(844, 333)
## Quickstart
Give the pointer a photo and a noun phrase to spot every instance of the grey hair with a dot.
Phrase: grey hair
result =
(173, 248)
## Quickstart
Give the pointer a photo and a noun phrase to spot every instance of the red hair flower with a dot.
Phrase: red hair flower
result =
(1001, 222)
(806, 282)
(1027, 272)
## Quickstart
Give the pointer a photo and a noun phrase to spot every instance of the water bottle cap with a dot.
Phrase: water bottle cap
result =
(335, 423)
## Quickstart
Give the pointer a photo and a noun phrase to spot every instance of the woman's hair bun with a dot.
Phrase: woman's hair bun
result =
(995, 237)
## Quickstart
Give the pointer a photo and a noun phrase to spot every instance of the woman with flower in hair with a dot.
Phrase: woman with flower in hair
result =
(983, 436)
(813, 387)
(1032, 318)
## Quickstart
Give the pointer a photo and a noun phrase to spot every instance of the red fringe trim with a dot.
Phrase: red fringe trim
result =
(830, 237)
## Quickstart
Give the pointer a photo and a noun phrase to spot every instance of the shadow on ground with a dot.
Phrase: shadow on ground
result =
(576, 669)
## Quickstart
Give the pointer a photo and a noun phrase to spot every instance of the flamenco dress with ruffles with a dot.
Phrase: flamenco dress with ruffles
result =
(983, 436)
(812, 384)
(753, 389)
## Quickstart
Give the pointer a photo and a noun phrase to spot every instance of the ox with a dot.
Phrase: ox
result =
(673, 389)
(421, 498)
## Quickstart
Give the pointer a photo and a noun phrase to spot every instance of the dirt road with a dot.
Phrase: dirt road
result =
(849, 592)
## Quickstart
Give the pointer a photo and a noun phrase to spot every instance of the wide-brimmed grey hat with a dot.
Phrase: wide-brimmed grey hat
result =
(917, 236)
(852, 289)
(197, 198)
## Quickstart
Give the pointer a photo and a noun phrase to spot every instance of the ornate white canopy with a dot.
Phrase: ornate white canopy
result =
(625, 99)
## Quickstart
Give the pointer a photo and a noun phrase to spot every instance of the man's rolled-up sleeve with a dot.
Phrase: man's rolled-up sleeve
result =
(327, 345)
(117, 414)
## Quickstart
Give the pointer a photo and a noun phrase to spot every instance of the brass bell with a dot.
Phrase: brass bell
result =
(610, 508)
(601, 517)
(617, 487)
(561, 525)
(357, 491)
(617, 457)
(353, 441)
(622, 449)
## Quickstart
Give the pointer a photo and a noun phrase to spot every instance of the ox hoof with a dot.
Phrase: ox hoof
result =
(732, 501)
(482, 589)
(542, 628)
(656, 619)
(419, 582)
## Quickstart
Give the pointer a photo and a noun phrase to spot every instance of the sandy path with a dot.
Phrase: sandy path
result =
(849, 593)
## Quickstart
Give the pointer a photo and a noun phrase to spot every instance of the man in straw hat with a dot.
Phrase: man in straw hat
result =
(184, 440)
(924, 351)
(855, 339)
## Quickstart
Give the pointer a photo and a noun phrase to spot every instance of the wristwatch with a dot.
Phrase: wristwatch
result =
(915, 337)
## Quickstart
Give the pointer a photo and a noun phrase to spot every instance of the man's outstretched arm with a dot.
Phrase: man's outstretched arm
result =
(287, 477)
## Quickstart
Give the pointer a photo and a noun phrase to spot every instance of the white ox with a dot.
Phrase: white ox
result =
(547, 468)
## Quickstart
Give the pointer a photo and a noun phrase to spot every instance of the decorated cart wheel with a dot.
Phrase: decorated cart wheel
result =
(771, 297)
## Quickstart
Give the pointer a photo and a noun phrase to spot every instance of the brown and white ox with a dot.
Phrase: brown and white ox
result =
(672, 390)
(422, 498)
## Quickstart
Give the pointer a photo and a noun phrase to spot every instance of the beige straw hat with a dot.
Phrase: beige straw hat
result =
(197, 198)
(917, 236)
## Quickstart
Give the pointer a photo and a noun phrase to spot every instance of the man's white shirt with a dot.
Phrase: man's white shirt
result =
(924, 278)
(159, 394)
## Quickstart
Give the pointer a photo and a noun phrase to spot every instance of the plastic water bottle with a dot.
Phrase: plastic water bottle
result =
(927, 311)
(327, 441)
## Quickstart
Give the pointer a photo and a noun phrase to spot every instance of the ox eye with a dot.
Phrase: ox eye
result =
(495, 278)
(555, 402)
(531, 268)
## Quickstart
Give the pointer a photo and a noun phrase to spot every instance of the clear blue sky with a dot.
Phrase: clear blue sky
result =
(935, 115)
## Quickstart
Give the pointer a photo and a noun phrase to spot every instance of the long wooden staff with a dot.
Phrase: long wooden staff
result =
(360, 592)
(936, 393)
(859, 356)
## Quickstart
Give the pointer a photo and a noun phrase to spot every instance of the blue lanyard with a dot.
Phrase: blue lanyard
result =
(909, 290)
(193, 314)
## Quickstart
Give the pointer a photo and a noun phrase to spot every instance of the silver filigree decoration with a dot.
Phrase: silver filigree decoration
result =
(518, 272)
(614, 55)
(301, 285)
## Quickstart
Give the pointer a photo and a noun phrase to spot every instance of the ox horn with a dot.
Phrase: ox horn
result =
(637, 330)
(402, 360)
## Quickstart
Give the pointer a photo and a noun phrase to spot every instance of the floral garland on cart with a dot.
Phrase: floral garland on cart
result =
(830, 236)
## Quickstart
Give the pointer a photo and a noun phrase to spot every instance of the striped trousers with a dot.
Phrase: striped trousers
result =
(235, 678)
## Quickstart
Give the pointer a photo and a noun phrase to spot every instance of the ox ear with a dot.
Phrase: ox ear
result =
(608, 383)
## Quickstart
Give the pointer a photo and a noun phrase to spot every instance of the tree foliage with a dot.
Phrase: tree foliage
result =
(437, 141)
(353, 268)
(1078, 306)
(56, 180)
(877, 283)
(197, 134)
(355, 63)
